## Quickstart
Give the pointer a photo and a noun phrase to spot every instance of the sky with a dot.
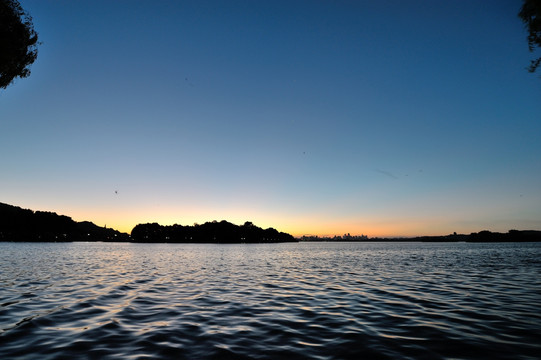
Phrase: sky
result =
(383, 118)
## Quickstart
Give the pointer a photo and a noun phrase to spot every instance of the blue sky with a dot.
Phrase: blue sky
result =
(314, 117)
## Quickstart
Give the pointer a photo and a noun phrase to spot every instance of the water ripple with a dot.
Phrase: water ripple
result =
(291, 301)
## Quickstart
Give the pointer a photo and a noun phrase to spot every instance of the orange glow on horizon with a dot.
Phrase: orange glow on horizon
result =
(124, 219)
(297, 228)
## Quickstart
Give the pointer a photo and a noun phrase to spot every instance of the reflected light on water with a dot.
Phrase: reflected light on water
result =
(268, 301)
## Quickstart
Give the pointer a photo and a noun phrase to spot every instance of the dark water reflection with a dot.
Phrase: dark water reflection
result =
(291, 301)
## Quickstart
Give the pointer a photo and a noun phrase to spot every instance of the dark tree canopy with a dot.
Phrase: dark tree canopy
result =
(18, 224)
(209, 232)
(18, 42)
(530, 13)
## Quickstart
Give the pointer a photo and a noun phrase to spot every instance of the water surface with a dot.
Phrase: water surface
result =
(270, 301)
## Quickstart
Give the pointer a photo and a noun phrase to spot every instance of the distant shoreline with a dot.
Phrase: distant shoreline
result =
(23, 225)
(482, 236)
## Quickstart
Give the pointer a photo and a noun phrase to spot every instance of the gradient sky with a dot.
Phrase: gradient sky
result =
(385, 118)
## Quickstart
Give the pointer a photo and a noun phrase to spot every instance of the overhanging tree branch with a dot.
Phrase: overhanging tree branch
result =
(530, 13)
(18, 42)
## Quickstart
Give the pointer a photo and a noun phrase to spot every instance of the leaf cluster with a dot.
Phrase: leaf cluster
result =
(530, 14)
(18, 42)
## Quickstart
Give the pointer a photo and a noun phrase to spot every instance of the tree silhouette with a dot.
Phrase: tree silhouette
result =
(18, 42)
(210, 232)
(530, 13)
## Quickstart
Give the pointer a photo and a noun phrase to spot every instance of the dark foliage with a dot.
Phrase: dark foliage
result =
(209, 232)
(530, 13)
(18, 224)
(18, 42)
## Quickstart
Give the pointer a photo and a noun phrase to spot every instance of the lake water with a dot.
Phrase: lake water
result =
(270, 301)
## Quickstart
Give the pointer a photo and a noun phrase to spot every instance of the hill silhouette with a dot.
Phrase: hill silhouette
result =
(17, 224)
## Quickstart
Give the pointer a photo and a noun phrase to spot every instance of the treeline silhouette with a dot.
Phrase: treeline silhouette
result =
(209, 232)
(17, 224)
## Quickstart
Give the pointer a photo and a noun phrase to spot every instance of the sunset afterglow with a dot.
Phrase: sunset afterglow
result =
(311, 117)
